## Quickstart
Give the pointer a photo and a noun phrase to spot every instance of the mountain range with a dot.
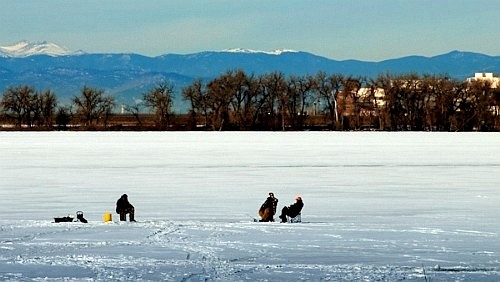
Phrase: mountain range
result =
(128, 76)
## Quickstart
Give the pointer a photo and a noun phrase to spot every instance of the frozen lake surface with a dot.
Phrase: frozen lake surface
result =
(379, 206)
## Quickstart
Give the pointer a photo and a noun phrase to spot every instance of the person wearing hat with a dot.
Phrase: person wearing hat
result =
(292, 210)
(123, 207)
(268, 208)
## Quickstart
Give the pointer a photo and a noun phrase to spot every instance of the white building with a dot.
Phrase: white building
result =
(377, 96)
(486, 76)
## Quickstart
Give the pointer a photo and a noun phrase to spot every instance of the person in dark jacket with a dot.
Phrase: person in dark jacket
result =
(123, 207)
(292, 210)
(268, 208)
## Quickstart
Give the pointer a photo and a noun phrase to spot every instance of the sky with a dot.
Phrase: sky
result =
(338, 29)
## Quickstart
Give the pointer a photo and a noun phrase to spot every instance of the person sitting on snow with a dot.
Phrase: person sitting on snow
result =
(79, 216)
(293, 210)
(268, 208)
(123, 207)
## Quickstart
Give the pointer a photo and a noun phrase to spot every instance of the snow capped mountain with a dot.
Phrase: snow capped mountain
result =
(25, 49)
(126, 75)
(250, 51)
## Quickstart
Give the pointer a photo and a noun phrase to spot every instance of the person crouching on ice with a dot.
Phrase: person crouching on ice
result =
(292, 210)
(123, 207)
(268, 208)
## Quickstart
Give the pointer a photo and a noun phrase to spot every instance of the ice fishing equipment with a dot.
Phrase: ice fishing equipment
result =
(107, 217)
(296, 219)
(63, 219)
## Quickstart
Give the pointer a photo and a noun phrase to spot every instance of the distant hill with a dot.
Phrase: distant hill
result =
(127, 76)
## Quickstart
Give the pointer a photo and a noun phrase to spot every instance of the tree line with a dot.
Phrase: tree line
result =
(238, 101)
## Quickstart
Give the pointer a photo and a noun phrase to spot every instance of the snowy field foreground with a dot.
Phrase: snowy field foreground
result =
(378, 206)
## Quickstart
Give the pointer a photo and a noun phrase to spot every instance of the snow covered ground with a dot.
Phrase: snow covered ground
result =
(378, 206)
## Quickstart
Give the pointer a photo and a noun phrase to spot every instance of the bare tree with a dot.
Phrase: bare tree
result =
(197, 97)
(63, 117)
(160, 99)
(93, 106)
(328, 89)
(220, 92)
(481, 101)
(351, 109)
(258, 99)
(274, 88)
(299, 97)
(18, 103)
(440, 107)
(135, 110)
(46, 108)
